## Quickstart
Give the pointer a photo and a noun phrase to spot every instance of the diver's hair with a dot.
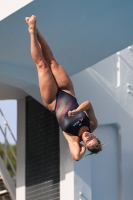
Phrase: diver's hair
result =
(97, 149)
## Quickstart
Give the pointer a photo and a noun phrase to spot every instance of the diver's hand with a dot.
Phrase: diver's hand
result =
(72, 113)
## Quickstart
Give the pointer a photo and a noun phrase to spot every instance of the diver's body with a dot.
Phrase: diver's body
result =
(54, 83)
(64, 103)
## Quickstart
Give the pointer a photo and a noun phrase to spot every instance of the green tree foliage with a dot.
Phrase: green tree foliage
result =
(10, 155)
(8, 166)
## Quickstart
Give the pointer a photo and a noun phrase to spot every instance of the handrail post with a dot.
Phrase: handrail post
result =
(5, 157)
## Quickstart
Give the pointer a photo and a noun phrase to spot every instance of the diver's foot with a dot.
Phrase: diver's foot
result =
(31, 21)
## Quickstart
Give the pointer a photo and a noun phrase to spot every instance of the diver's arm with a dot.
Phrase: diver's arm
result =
(91, 114)
(85, 106)
(82, 107)
(77, 152)
(82, 151)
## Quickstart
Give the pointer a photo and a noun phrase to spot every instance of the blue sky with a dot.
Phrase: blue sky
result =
(9, 109)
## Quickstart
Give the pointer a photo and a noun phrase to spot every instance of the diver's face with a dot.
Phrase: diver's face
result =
(90, 140)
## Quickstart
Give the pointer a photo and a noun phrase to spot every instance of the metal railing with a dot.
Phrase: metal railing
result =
(10, 190)
(6, 147)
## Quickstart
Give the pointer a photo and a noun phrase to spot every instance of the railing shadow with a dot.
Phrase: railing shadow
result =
(127, 64)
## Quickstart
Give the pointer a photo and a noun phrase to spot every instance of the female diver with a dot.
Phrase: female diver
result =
(76, 121)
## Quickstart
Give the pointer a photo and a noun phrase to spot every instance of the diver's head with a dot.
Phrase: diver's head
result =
(91, 142)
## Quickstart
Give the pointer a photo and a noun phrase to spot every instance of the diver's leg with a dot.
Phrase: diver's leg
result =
(46, 51)
(61, 77)
(47, 83)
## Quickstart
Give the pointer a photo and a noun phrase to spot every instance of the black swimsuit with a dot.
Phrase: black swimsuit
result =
(64, 103)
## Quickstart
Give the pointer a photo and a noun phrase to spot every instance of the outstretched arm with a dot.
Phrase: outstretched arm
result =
(85, 106)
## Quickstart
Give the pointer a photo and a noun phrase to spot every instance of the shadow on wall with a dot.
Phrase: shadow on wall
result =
(106, 166)
(106, 93)
(130, 67)
(107, 108)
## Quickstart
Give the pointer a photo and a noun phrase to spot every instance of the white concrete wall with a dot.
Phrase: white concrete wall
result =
(105, 85)
(20, 187)
(82, 179)
(9, 7)
(66, 171)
